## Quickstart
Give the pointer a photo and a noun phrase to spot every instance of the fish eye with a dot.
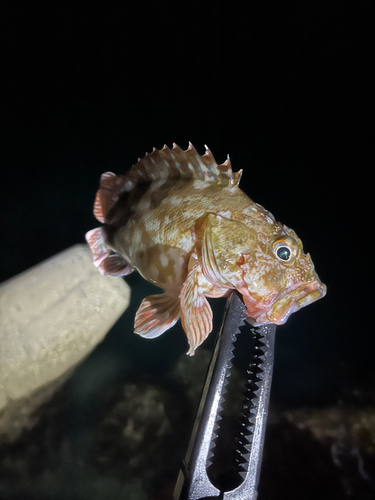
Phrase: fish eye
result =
(283, 253)
(284, 249)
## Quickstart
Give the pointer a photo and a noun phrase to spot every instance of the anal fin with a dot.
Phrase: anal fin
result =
(196, 312)
(156, 314)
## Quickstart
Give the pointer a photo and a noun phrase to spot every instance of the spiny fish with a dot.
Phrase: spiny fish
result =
(182, 222)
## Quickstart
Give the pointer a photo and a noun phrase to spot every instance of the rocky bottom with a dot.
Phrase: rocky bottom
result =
(127, 441)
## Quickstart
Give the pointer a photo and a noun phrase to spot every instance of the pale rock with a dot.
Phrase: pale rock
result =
(51, 317)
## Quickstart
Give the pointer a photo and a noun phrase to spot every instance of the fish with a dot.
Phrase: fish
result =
(181, 220)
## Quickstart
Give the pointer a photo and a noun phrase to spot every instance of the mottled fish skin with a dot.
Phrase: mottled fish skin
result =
(182, 222)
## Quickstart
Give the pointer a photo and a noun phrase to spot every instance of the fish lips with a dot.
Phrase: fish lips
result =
(292, 301)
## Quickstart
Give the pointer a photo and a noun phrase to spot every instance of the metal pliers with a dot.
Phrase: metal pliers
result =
(202, 476)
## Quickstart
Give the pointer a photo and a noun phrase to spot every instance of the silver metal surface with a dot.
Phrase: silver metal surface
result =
(193, 482)
(248, 489)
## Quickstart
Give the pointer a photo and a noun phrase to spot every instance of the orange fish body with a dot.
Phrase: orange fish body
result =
(182, 222)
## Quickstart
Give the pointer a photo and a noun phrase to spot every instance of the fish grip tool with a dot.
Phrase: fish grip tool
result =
(193, 482)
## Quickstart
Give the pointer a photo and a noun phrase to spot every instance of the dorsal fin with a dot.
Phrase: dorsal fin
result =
(165, 163)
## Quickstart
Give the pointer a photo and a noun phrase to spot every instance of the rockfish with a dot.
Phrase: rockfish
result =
(182, 222)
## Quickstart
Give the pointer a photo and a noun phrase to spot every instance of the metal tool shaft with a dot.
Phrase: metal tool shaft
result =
(248, 489)
(193, 482)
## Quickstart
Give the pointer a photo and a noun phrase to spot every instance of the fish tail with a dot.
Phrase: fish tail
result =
(107, 195)
(108, 262)
(95, 240)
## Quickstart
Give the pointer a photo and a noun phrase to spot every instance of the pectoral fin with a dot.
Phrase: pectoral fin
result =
(156, 314)
(196, 313)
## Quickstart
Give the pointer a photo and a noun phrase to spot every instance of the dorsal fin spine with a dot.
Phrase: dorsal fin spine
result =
(165, 163)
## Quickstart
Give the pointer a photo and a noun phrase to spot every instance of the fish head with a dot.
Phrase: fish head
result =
(278, 278)
(264, 261)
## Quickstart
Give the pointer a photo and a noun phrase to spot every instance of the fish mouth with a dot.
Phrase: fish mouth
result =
(294, 300)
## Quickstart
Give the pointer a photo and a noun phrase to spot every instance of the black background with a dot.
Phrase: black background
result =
(286, 88)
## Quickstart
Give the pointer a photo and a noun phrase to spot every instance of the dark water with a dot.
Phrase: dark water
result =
(285, 89)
